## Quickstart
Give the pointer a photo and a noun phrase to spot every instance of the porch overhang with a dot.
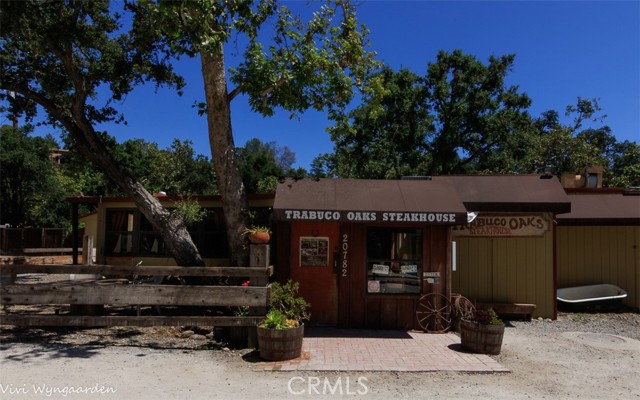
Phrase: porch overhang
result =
(369, 201)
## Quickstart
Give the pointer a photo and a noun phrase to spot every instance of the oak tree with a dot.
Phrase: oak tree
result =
(58, 55)
(284, 64)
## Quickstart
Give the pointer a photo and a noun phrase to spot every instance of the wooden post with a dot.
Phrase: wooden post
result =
(259, 255)
(74, 229)
(87, 259)
(87, 250)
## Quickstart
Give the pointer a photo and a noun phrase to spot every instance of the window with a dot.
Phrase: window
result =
(394, 260)
(120, 224)
(128, 232)
(150, 242)
(210, 235)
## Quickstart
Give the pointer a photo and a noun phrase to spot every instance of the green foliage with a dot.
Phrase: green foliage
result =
(262, 165)
(75, 60)
(286, 62)
(39, 41)
(443, 123)
(625, 166)
(33, 189)
(259, 165)
(176, 170)
(547, 143)
(473, 110)
(256, 229)
(385, 138)
(285, 300)
(179, 171)
(461, 117)
(189, 210)
(277, 320)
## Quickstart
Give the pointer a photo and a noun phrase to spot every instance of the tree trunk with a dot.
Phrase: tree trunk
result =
(172, 230)
(223, 154)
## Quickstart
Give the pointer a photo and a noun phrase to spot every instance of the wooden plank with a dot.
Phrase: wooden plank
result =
(142, 270)
(407, 313)
(44, 250)
(508, 309)
(388, 313)
(78, 292)
(116, 320)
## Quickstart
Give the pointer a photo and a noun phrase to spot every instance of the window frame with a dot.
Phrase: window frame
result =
(393, 276)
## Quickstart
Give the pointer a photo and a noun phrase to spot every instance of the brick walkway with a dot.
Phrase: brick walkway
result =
(329, 349)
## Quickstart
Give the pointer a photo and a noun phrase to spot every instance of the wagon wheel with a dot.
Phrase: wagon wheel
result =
(434, 313)
(464, 308)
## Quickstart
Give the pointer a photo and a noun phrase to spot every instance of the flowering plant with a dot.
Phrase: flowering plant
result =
(243, 311)
(486, 317)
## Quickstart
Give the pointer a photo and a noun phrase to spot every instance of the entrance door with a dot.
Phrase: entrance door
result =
(312, 265)
(367, 305)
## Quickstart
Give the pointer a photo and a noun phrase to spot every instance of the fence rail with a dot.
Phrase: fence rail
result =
(109, 290)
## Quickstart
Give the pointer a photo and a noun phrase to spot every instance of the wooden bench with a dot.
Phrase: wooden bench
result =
(504, 310)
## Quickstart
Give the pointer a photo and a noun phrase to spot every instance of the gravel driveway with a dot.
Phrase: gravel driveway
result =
(579, 356)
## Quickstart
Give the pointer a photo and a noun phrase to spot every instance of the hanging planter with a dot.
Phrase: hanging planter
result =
(258, 234)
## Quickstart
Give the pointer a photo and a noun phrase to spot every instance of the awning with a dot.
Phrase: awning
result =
(372, 201)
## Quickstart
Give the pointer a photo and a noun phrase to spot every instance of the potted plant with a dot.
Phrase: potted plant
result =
(258, 234)
(280, 333)
(482, 332)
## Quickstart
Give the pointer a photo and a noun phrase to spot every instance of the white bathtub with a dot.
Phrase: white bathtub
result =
(604, 294)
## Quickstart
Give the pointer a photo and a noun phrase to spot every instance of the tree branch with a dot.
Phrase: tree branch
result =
(281, 81)
(235, 92)
(36, 97)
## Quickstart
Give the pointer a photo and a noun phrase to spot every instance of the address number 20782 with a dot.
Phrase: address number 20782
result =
(344, 267)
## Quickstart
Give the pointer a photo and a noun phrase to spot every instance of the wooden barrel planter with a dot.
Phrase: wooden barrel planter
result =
(280, 344)
(480, 338)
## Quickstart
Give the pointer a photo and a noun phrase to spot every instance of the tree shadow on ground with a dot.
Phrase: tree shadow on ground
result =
(45, 352)
(59, 342)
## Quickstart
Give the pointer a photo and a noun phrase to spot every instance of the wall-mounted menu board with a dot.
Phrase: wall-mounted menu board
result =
(314, 251)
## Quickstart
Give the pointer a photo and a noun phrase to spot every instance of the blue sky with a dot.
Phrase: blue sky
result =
(564, 49)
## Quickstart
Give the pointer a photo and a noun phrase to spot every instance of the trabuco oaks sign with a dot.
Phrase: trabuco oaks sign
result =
(504, 226)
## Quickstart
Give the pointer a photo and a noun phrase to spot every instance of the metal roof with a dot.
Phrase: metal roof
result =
(510, 193)
(602, 207)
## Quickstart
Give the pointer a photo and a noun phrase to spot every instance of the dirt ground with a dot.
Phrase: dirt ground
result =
(585, 356)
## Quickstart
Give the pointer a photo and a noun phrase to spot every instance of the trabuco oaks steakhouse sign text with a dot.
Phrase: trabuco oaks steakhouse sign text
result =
(367, 216)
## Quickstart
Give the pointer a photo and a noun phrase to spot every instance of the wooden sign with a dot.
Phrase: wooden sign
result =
(495, 225)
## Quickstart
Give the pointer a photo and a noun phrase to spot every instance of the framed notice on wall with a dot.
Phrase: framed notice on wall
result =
(314, 251)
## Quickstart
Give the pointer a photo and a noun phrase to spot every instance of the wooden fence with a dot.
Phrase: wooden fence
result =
(14, 240)
(118, 286)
